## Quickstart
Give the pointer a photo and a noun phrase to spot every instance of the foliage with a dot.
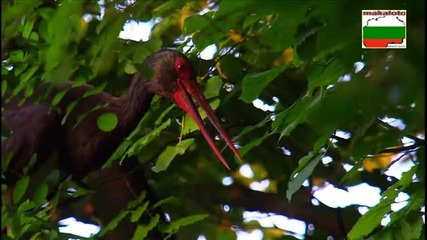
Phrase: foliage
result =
(290, 54)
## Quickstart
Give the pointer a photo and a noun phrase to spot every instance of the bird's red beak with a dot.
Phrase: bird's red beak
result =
(183, 98)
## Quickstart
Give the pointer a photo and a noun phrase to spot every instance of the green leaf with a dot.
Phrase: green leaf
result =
(28, 27)
(169, 6)
(174, 226)
(287, 120)
(253, 84)
(53, 177)
(136, 214)
(132, 204)
(41, 194)
(163, 115)
(58, 97)
(171, 199)
(20, 189)
(305, 168)
(16, 56)
(68, 110)
(114, 222)
(206, 37)
(330, 75)
(373, 217)
(107, 121)
(195, 23)
(281, 33)
(212, 88)
(412, 226)
(25, 206)
(138, 145)
(130, 68)
(145, 49)
(254, 143)
(29, 73)
(166, 157)
(141, 231)
(94, 90)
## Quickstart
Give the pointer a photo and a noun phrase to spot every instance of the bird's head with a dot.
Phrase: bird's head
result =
(174, 77)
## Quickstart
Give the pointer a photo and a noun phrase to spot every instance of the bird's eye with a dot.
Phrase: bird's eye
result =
(180, 66)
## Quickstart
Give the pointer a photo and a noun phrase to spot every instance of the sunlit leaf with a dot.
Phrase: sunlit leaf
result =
(166, 157)
(139, 144)
(367, 223)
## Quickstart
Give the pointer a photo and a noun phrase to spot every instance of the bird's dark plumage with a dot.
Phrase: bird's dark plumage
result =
(69, 126)
(37, 127)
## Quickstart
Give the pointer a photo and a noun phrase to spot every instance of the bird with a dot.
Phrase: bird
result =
(68, 127)
(37, 128)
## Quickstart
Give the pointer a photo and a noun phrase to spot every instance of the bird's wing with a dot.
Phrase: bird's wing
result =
(34, 129)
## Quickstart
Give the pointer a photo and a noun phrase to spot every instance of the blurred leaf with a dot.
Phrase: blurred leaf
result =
(167, 7)
(136, 214)
(212, 88)
(139, 201)
(113, 223)
(94, 90)
(195, 23)
(287, 120)
(174, 226)
(145, 49)
(330, 75)
(165, 201)
(305, 168)
(28, 27)
(20, 189)
(253, 84)
(107, 121)
(41, 194)
(254, 143)
(142, 230)
(58, 97)
(380, 161)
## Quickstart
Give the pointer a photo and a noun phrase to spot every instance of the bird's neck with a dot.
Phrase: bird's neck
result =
(137, 102)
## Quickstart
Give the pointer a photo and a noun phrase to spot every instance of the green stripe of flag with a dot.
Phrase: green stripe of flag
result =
(384, 32)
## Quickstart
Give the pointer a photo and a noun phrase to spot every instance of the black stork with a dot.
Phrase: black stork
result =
(83, 147)
(36, 127)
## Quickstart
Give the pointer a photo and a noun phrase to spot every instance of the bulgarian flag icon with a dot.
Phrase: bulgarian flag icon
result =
(379, 32)
(380, 37)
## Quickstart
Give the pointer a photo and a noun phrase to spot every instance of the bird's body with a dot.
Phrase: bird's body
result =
(43, 126)
(37, 128)
(70, 126)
